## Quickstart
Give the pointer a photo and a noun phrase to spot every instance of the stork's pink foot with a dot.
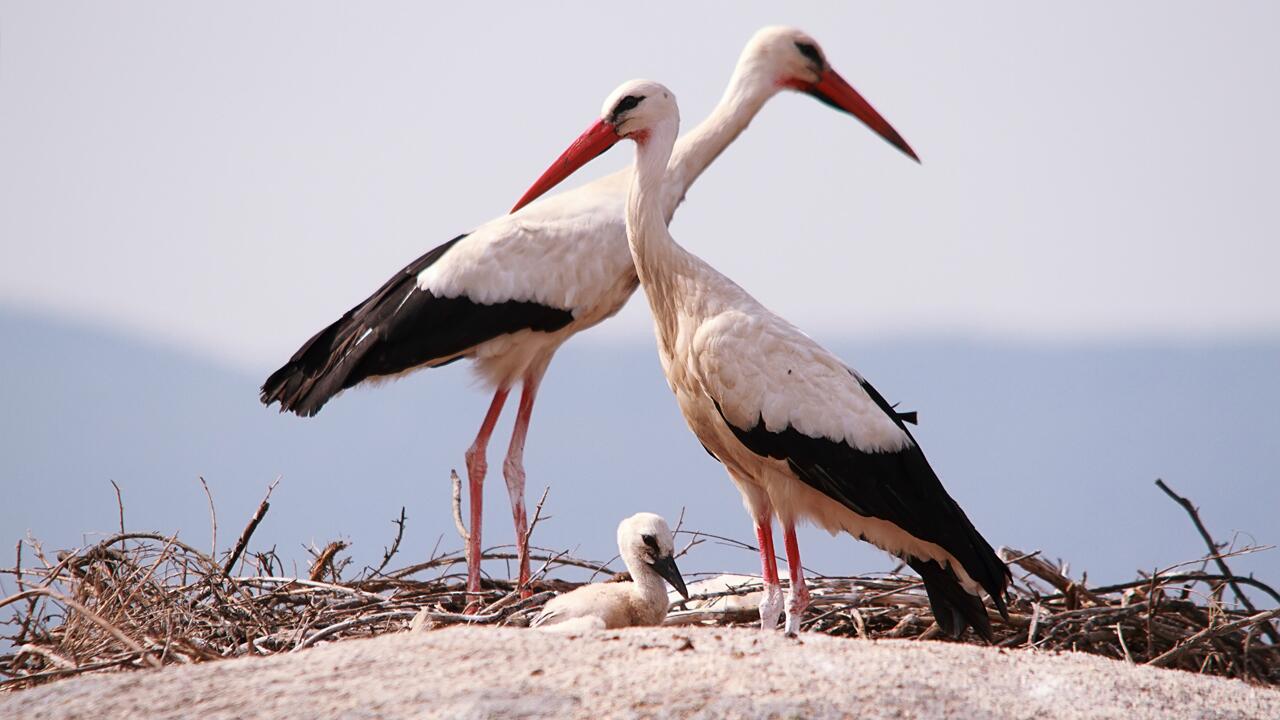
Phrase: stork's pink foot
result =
(770, 606)
(798, 594)
(797, 603)
(771, 599)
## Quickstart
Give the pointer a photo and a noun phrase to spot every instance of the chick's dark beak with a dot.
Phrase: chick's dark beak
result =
(666, 567)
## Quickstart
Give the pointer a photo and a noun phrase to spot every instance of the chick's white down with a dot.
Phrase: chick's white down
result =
(645, 543)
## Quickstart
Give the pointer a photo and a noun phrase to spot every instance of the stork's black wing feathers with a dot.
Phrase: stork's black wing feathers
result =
(398, 328)
(901, 488)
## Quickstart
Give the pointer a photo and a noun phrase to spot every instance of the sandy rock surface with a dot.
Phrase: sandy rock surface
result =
(647, 672)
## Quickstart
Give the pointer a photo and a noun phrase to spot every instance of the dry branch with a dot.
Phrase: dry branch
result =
(243, 541)
(324, 562)
(1214, 550)
(390, 552)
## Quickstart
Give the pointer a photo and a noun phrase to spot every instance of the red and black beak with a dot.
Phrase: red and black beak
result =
(834, 91)
(591, 144)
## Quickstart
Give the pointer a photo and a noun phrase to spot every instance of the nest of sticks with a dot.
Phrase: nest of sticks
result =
(144, 600)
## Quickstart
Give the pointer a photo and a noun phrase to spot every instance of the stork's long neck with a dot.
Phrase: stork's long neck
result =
(659, 261)
(694, 152)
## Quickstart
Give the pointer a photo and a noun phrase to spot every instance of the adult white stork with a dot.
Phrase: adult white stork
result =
(509, 293)
(802, 435)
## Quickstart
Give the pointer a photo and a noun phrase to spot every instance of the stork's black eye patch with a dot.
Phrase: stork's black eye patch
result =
(651, 541)
(810, 52)
(627, 103)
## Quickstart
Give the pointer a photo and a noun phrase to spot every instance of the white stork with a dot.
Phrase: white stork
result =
(803, 436)
(509, 293)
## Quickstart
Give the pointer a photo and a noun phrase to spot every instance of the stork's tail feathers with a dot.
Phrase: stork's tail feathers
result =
(316, 373)
(330, 361)
(955, 608)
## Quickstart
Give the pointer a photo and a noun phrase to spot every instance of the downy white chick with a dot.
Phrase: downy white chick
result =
(646, 546)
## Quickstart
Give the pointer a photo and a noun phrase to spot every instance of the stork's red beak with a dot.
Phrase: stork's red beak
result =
(591, 144)
(834, 91)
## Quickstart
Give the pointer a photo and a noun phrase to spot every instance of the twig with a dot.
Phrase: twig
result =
(390, 552)
(1214, 549)
(53, 657)
(1123, 645)
(1035, 624)
(213, 518)
(491, 555)
(31, 603)
(537, 515)
(603, 569)
(1204, 561)
(1262, 619)
(151, 571)
(96, 549)
(354, 622)
(308, 583)
(324, 560)
(1187, 577)
(247, 533)
(457, 509)
(1045, 571)
(478, 619)
(120, 507)
(91, 616)
(50, 674)
(692, 543)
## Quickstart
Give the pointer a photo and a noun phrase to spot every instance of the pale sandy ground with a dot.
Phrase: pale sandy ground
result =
(647, 672)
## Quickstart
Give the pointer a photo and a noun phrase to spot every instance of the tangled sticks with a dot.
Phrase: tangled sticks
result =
(137, 600)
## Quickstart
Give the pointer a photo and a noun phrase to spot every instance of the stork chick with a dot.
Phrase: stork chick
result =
(645, 544)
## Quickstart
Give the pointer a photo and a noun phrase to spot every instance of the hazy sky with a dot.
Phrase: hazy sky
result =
(230, 177)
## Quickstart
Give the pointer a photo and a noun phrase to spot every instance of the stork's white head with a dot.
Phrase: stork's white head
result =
(783, 57)
(633, 111)
(644, 539)
(778, 58)
(638, 106)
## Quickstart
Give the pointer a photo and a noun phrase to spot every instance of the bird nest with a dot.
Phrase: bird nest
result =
(144, 600)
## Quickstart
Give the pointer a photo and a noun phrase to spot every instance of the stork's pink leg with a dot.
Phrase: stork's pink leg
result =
(771, 599)
(798, 595)
(513, 470)
(477, 466)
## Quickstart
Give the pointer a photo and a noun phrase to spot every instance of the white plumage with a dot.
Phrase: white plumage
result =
(801, 435)
(509, 293)
(760, 367)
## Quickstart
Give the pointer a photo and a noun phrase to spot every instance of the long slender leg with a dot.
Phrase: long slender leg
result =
(477, 466)
(513, 471)
(771, 599)
(798, 595)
